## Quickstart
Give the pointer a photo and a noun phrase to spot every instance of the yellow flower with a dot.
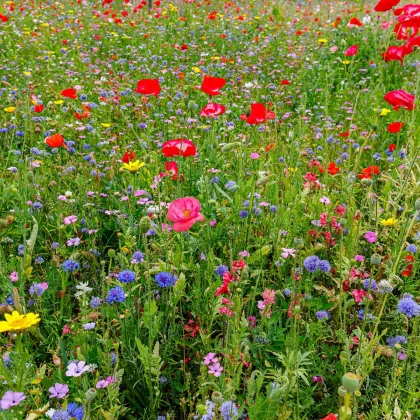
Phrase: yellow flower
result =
(27, 73)
(389, 222)
(133, 166)
(346, 62)
(292, 170)
(10, 109)
(17, 322)
(322, 40)
(106, 125)
(196, 69)
(59, 102)
(384, 111)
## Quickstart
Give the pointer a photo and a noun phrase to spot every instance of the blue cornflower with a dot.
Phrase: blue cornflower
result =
(75, 410)
(113, 358)
(115, 295)
(165, 279)
(37, 205)
(39, 260)
(95, 302)
(126, 276)
(231, 186)
(324, 266)
(273, 209)
(243, 214)
(311, 263)
(61, 415)
(411, 248)
(89, 326)
(287, 292)
(70, 266)
(21, 248)
(370, 284)
(221, 269)
(55, 245)
(228, 410)
(323, 315)
(408, 306)
(137, 258)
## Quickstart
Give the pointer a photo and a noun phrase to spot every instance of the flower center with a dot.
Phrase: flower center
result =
(186, 213)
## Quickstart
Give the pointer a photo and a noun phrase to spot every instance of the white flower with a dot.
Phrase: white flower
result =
(82, 288)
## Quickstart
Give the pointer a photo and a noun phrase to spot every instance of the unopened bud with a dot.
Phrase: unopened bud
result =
(90, 394)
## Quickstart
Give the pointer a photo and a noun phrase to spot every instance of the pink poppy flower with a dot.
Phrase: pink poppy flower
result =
(352, 51)
(212, 110)
(184, 212)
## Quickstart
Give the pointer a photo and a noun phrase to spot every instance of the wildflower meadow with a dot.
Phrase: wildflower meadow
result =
(210, 210)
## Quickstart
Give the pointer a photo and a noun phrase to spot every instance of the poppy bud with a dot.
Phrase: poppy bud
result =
(56, 360)
(298, 242)
(375, 259)
(417, 204)
(111, 253)
(68, 194)
(344, 412)
(192, 105)
(319, 158)
(350, 381)
(367, 181)
(147, 159)
(144, 224)
(342, 391)
(343, 222)
(262, 182)
(217, 397)
(90, 394)
(212, 202)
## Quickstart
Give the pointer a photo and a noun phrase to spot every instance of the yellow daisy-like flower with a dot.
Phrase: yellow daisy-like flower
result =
(106, 125)
(59, 102)
(292, 170)
(384, 111)
(10, 109)
(196, 69)
(322, 40)
(346, 62)
(133, 166)
(389, 222)
(18, 323)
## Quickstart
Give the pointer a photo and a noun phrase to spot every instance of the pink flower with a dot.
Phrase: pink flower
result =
(78, 369)
(210, 358)
(288, 252)
(370, 237)
(359, 258)
(254, 155)
(325, 200)
(352, 51)
(215, 369)
(10, 399)
(184, 212)
(269, 296)
(13, 276)
(58, 390)
(70, 219)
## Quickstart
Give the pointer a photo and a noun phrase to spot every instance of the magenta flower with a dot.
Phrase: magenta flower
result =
(73, 241)
(14, 277)
(70, 219)
(76, 370)
(370, 237)
(184, 212)
(10, 399)
(288, 252)
(58, 390)
(215, 369)
(210, 358)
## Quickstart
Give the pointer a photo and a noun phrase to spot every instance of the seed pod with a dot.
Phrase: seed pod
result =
(350, 382)
(144, 224)
(90, 394)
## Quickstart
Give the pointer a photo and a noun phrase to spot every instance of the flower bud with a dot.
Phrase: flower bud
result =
(417, 204)
(344, 412)
(375, 259)
(90, 394)
(217, 397)
(56, 360)
(350, 382)
(111, 253)
(144, 224)
(68, 194)
(192, 105)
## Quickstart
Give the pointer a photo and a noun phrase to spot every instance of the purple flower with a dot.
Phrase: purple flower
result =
(228, 410)
(408, 306)
(221, 269)
(164, 279)
(370, 237)
(323, 315)
(10, 399)
(58, 390)
(77, 369)
(89, 326)
(311, 263)
(324, 266)
(126, 276)
(115, 295)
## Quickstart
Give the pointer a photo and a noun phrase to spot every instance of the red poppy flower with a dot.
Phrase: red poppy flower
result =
(330, 417)
(171, 170)
(285, 82)
(400, 98)
(385, 5)
(395, 127)
(410, 16)
(148, 87)
(405, 32)
(56, 140)
(333, 169)
(392, 147)
(4, 18)
(212, 85)
(356, 22)
(396, 53)
(69, 93)
(129, 155)
(38, 108)
(259, 114)
(412, 42)
(345, 134)
(369, 172)
(352, 51)
(179, 147)
(212, 110)
(85, 113)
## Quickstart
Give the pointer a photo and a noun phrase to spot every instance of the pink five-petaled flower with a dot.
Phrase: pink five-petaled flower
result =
(58, 390)
(70, 219)
(77, 369)
(10, 399)
(288, 252)
(215, 369)
(104, 383)
(184, 212)
(210, 358)
(370, 237)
